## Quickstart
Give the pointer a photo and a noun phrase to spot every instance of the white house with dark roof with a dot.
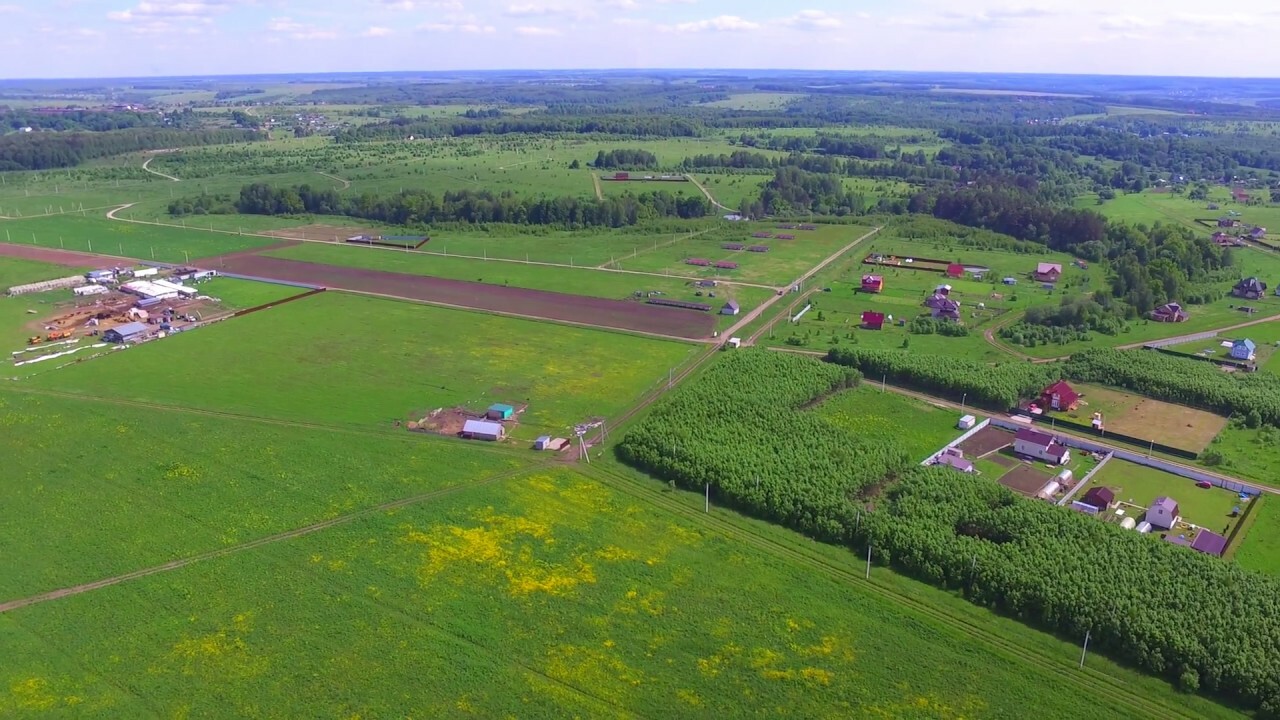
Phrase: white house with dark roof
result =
(1041, 446)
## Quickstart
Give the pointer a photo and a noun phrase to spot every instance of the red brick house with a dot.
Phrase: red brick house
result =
(1048, 272)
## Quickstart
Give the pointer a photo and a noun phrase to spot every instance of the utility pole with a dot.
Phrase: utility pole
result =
(707, 507)
(1085, 649)
(868, 561)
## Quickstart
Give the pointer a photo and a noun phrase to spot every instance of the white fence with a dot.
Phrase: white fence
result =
(969, 433)
(1085, 480)
(1182, 339)
(60, 283)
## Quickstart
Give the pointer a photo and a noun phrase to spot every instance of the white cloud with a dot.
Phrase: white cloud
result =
(294, 30)
(409, 5)
(971, 20)
(720, 23)
(533, 9)
(376, 32)
(813, 19)
(624, 5)
(449, 27)
(1126, 22)
(169, 9)
(537, 31)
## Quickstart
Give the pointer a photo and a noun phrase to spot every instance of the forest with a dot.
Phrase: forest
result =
(422, 207)
(997, 387)
(42, 151)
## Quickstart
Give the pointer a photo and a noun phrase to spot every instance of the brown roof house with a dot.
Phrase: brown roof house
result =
(1170, 312)
(1250, 288)
(941, 306)
(1060, 396)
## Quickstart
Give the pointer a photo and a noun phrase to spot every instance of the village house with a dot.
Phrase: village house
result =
(954, 458)
(872, 283)
(1041, 446)
(941, 306)
(1048, 272)
(1060, 396)
(1169, 312)
(1250, 288)
(955, 270)
(872, 320)
(1222, 239)
(1099, 498)
(1244, 350)
(1163, 513)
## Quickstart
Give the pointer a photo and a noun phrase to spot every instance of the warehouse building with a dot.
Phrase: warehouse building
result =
(129, 332)
(481, 430)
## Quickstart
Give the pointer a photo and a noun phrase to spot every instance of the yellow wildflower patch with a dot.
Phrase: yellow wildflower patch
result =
(33, 694)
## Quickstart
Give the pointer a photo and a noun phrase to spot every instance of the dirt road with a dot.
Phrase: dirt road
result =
(345, 183)
(707, 193)
(146, 166)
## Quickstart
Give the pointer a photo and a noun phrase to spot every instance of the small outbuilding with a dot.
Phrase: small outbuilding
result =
(542, 442)
(1010, 281)
(731, 308)
(500, 411)
(967, 422)
(481, 430)
(1209, 543)
(129, 332)
(1100, 498)
(955, 270)
(1163, 513)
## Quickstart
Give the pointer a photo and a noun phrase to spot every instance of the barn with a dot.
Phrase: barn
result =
(128, 332)
(731, 308)
(1099, 498)
(481, 430)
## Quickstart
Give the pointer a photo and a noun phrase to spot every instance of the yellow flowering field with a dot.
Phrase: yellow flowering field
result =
(545, 595)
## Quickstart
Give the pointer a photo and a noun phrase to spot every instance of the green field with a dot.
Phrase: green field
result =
(96, 488)
(124, 239)
(356, 361)
(14, 315)
(1246, 452)
(237, 294)
(547, 595)
(867, 412)
(1141, 485)
(1259, 550)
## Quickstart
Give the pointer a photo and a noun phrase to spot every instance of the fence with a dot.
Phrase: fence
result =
(58, 284)
(968, 433)
(246, 311)
(1169, 342)
(1146, 460)
(1238, 364)
(273, 281)
(1085, 480)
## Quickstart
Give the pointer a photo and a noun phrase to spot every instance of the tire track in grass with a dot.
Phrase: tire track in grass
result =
(1087, 680)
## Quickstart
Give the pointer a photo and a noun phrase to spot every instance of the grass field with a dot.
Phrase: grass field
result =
(131, 240)
(14, 315)
(1259, 549)
(1141, 485)
(920, 428)
(546, 596)
(238, 294)
(1247, 452)
(97, 488)
(1129, 414)
(349, 360)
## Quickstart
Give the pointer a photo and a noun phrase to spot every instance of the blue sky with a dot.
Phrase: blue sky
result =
(102, 38)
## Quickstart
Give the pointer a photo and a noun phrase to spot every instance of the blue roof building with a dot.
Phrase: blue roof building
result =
(1243, 349)
(481, 430)
(125, 333)
(500, 411)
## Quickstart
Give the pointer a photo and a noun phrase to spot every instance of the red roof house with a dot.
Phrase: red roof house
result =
(872, 320)
(1060, 396)
(1099, 497)
(872, 283)
(955, 270)
(1048, 272)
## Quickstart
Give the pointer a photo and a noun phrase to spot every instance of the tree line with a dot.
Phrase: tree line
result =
(42, 151)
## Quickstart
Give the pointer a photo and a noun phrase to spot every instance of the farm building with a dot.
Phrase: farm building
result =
(542, 442)
(954, 458)
(1258, 233)
(481, 430)
(1209, 543)
(967, 422)
(1250, 288)
(100, 275)
(1099, 497)
(1244, 349)
(128, 332)
(758, 248)
(1163, 513)
(731, 308)
(1170, 312)
(1222, 239)
(147, 289)
(941, 306)
(1042, 446)
(1060, 396)
(1048, 272)
(955, 270)
(700, 262)
(872, 320)
(1010, 281)
(784, 236)
(146, 272)
(762, 235)
(500, 411)
(726, 265)
(684, 304)
(1226, 222)
(872, 283)
(89, 290)
(731, 246)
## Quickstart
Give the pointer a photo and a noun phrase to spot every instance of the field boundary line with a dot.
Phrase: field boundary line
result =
(660, 246)
(707, 193)
(260, 542)
(595, 180)
(146, 166)
(77, 211)
(345, 183)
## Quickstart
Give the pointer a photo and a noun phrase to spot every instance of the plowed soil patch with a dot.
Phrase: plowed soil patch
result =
(620, 314)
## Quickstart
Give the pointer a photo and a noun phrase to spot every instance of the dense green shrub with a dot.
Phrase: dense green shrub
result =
(998, 387)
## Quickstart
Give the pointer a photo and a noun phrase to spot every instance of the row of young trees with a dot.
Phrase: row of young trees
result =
(626, 158)
(997, 387)
(1203, 623)
(421, 207)
(1181, 380)
(738, 429)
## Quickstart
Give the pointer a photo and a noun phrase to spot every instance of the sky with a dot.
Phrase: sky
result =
(124, 38)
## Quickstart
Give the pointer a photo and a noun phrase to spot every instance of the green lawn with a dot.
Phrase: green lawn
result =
(1247, 452)
(866, 412)
(351, 360)
(132, 240)
(1141, 485)
(95, 488)
(1259, 550)
(238, 294)
(545, 596)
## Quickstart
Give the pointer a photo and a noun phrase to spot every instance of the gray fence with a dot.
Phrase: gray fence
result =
(968, 433)
(1153, 462)
(1182, 339)
(1066, 499)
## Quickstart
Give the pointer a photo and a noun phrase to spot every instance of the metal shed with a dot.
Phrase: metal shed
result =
(481, 430)
(500, 411)
(125, 333)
